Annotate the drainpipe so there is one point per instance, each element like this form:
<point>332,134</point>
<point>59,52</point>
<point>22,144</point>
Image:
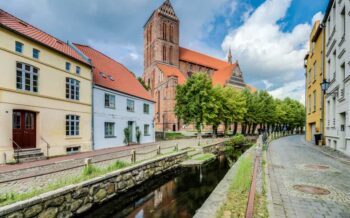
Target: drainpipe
<point>323,26</point>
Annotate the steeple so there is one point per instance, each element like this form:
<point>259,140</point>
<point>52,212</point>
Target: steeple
<point>230,56</point>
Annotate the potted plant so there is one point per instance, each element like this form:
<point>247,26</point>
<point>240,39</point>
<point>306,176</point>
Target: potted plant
<point>127,136</point>
<point>138,135</point>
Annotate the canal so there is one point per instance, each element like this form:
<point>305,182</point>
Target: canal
<point>176,194</point>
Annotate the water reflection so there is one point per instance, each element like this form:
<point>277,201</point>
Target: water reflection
<point>176,194</point>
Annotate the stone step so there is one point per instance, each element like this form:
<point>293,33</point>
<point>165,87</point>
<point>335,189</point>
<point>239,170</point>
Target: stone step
<point>31,159</point>
<point>28,155</point>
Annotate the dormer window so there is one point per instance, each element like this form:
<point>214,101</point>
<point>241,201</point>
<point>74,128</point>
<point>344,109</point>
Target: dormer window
<point>19,47</point>
<point>103,75</point>
<point>111,78</point>
<point>68,66</point>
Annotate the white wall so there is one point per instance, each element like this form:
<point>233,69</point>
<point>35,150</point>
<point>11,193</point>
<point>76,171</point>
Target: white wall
<point>120,116</point>
<point>335,137</point>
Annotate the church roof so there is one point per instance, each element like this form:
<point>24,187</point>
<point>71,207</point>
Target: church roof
<point>110,74</point>
<point>201,59</point>
<point>170,71</point>
<point>222,76</point>
<point>20,27</point>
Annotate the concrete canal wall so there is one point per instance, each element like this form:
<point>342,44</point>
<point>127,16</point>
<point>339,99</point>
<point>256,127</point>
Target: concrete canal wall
<point>79,198</point>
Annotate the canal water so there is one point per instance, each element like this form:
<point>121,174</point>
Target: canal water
<point>176,194</point>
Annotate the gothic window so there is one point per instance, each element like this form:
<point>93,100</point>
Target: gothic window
<point>171,54</point>
<point>164,53</point>
<point>164,31</point>
<point>171,33</point>
<point>150,33</point>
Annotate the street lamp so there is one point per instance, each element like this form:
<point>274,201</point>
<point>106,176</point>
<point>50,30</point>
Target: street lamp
<point>324,86</point>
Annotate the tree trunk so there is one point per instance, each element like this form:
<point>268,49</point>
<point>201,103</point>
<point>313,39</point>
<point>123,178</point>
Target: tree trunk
<point>235,126</point>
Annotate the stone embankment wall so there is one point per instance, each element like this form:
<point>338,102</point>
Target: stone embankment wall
<point>213,148</point>
<point>77,199</point>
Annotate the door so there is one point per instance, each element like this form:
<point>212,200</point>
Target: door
<point>313,132</point>
<point>24,129</point>
<point>130,127</point>
<point>342,133</point>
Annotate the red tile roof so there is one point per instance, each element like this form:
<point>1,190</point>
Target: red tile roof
<point>201,59</point>
<point>14,24</point>
<point>170,71</point>
<point>124,80</point>
<point>222,76</point>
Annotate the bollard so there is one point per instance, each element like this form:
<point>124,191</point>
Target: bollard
<point>133,156</point>
<point>87,162</point>
<point>158,150</point>
<point>176,147</point>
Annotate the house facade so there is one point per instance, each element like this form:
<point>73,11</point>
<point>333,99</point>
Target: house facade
<point>337,42</point>
<point>314,77</point>
<point>119,102</point>
<point>167,65</point>
<point>45,92</point>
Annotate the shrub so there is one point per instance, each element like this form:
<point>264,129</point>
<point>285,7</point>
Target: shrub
<point>89,170</point>
<point>236,140</point>
<point>118,165</point>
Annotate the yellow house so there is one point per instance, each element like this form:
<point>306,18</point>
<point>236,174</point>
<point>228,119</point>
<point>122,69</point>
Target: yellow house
<point>315,70</point>
<point>45,94</point>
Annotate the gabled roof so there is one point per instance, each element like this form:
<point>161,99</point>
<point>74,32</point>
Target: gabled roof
<point>110,74</point>
<point>170,71</point>
<point>167,9</point>
<point>20,27</point>
<point>201,59</point>
<point>222,76</point>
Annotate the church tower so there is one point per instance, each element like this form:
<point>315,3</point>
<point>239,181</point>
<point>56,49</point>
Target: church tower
<point>161,37</point>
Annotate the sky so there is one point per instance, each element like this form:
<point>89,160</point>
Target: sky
<point>268,38</point>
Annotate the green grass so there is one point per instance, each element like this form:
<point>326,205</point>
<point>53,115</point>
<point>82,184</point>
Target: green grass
<point>174,135</point>
<point>237,198</point>
<point>86,174</point>
<point>260,205</point>
<point>204,157</point>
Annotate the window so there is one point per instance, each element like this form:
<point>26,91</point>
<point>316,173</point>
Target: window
<point>19,47</point>
<point>130,105</point>
<point>343,22</point>
<point>309,100</point>
<point>16,120</point>
<point>146,130</point>
<point>109,101</point>
<point>72,125</point>
<point>164,31</point>
<point>315,71</point>
<point>29,121</point>
<point>171,33</point>
<point>36,53</point>
<point>109,130</point>
<point>309,77</point>
<point>73,150</point>
<point>146,108</point>
<point>171,55</point>
<point>77,70</point>
<point>314,94</point>
<point>26,77</point>
<point>67,66</point>
<point>72,89</point>
<point>164,53</point>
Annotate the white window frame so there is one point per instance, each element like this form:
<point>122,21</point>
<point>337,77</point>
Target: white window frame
<point>21,47</point>
<point>146,106</point>
<point>68,66</point>
<point>110,99</point>
<point>146,127</point>
<point>21,73</point>
<point>109,130</point>
<point>36,51</point>
<point>133,105</point>
<point>72,125</point>
<point>77,70</point>
<point>72,89</point>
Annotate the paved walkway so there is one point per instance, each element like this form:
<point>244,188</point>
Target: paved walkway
<point>294,167</point>
<point>25,177</point>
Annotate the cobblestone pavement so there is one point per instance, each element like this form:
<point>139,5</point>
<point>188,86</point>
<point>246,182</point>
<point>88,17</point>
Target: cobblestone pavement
<point>293,164</point>
<point>26,177</point>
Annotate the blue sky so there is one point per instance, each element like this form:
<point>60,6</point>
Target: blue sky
<point>267,37</point>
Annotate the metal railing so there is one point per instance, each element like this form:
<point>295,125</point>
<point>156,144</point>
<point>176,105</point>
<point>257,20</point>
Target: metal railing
<point>18,150</point>
<point>47,147</point>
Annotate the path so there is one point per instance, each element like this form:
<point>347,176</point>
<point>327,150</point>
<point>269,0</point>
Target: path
<point>294,167</point>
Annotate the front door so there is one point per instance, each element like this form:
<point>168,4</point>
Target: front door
<point>24,129</point>
<point>130,127</point>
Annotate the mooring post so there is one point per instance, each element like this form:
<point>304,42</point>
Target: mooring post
<point>87,162</point>
<point>176,147</point>
<point>133,156</point>
<point>158,150</point>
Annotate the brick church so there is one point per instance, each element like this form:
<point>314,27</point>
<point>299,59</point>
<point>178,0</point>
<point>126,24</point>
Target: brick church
<point>166,65</point>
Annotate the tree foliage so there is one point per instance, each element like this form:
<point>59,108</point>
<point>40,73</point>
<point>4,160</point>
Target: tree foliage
<point>198,103</point>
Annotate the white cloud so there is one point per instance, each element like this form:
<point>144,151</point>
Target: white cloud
<point>265,51</point>
<point>295,90</point>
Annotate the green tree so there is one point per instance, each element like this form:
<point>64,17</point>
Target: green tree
<point>143,83</point>
<point>195,101</point>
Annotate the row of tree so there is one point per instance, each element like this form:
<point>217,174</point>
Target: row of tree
<point>199,103</point>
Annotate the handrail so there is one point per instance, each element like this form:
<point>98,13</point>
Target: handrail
<point>47,146</point>
<point>19,148</point>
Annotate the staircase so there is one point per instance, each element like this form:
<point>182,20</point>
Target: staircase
<point>28,155</point>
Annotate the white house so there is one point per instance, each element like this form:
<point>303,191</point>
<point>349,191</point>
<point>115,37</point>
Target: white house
<point>337,58</point>
<point>119,102</point>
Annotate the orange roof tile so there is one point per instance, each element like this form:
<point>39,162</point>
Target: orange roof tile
<point>251,88</point>
<point>222,76</point>
<point>172,71</point>
<point>14,24</point>
<point>123,80</point>
<point>201,59</point>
